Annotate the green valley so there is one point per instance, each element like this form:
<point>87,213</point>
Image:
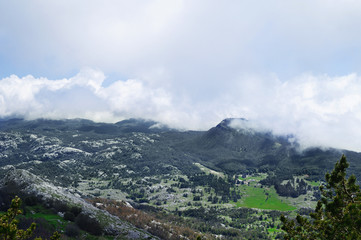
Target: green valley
<point>234,183</point>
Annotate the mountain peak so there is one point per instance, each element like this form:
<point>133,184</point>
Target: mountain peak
<point>231,123</point>
<point>141,125</point>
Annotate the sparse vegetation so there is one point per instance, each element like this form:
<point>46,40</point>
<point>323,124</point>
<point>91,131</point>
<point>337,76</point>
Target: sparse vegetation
<point>208,179</point>
<point>170,228</point>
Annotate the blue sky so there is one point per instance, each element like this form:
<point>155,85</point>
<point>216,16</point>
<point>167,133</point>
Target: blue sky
<point>289,66</point>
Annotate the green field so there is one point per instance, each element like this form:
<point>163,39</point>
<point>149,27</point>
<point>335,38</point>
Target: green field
<point>262,198</point>
<point>273,230</point>
<point>40,212</point>
<point>53,219</point>
<point>314,183</point>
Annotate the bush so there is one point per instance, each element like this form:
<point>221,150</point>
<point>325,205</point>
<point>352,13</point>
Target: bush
<point>72,230</point>
<point>69,216</point>
<point>86,223</point>
<point>43,228</point>
<point>196,198</point>
<point>30,201</point>
<point>60,206</point>
<point>75,210</point>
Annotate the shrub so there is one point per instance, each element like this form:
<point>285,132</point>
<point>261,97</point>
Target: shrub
<point>69,216</point>
<point>86,223</point>
<point>75,210</point>
<point>60,206</point>
<point>30,201</point>
<point>72,230</point>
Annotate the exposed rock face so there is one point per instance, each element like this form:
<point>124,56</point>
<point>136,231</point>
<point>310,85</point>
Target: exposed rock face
<point>22,181</point>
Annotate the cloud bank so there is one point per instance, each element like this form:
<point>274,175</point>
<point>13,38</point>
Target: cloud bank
<point>290,66</point>
<point>319,110</point>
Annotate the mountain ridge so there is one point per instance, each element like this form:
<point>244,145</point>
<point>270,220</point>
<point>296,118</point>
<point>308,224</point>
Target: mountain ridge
<point>181,172</point>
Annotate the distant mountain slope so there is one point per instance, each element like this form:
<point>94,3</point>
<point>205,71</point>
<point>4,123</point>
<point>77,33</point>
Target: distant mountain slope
<point>235,150</point>
<point>185,173</point>
<point>64,150</point>
<point>142,125</point>
<point>221,146</point>
<point>125,126</point>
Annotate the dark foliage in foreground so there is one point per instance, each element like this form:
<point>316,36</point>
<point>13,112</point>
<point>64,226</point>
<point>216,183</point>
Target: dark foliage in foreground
<point>338,213</point>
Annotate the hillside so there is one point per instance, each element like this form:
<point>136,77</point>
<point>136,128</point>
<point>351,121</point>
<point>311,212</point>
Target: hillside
<point>203,176</point>
<point>25,184</point>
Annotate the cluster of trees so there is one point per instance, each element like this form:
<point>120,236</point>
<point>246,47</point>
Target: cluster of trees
<point>290,190</point>
<point>244,223</point>
<point>75,215</point>
<point>220,186</point>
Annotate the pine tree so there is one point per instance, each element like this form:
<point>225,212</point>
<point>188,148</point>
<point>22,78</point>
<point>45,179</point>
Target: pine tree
<point>337,214</point>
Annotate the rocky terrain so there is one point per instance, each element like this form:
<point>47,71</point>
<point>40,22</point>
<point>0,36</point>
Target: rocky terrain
<point>25,183</point>
<point>201,176</point>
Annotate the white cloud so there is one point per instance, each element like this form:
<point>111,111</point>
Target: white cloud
<point>187,63</point>
<point>79,96</point>
<point>319,110</point>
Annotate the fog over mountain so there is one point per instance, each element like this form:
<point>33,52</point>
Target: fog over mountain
<point>292,68</point>
<point>319,111</point>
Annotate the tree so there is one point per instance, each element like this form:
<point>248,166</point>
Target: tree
<point>89,224</point>
<point>9,224</point>
<point>337,214</point>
